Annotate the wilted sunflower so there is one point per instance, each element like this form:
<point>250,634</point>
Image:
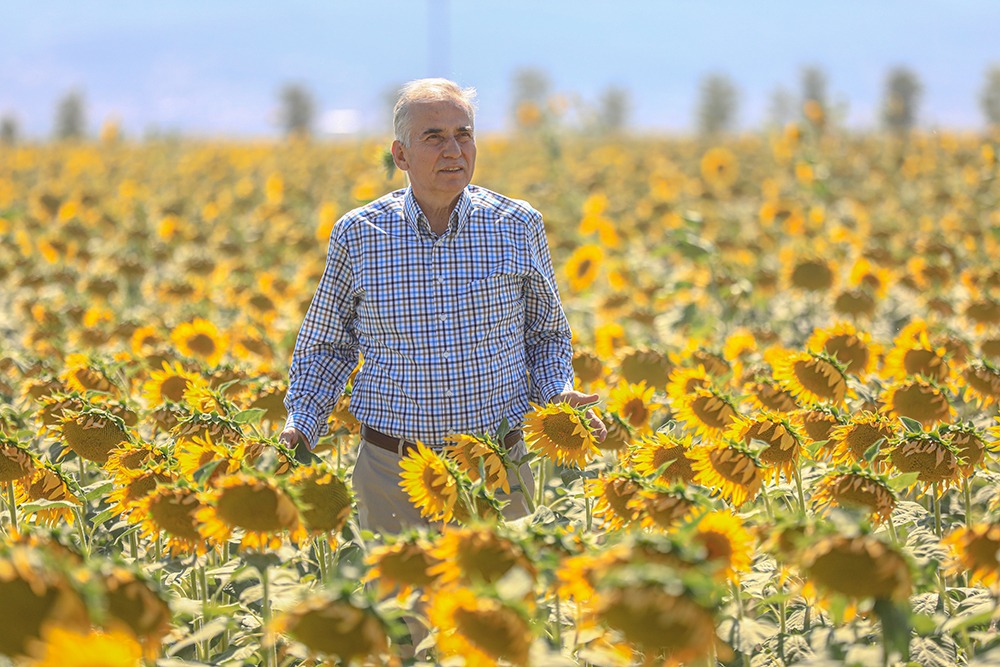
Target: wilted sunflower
<point>936,461</point>
<point>48,482</point>
<point>633,403</point>
<point>16,460</point>
<point>476,555</point>
<point>918,399</point>
<point>64,647</point>
<point>469,451</point>
<point>338,626</point>
<point>849,442</point>
<point>852,348</point>
<point>981,380</point>
<point>484,630</point>
<point>856,488</point>
<point>664,450</point>
<point>612,494</point>
<point>783,440</point>
<point>729,547</point>
<point>169,384</point>
<point>730,469</point>
<point>256,505</point>
<point>323,498</point>
<point>859,567</point>
<point>812,378</point>
<point>974,550</point>
<point>706,411</point>
<point>171,511</point>
<point>583,266</point>
<point>660,621</point>
<point>200,339</point>
<point>430,481</point>
<point>93,433</point>
<point>402,566</point>
<point>559,431</point>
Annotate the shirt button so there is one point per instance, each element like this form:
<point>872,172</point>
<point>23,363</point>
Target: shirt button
<point>449,393</point>
<point>443,318</point>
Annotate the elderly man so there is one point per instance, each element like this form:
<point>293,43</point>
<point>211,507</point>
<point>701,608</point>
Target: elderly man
<point>447,291</point>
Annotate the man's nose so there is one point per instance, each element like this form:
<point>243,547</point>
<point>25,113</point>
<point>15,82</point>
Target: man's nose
<point>451,147</point>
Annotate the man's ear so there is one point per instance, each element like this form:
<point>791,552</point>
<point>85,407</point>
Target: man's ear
<point>399,155</point>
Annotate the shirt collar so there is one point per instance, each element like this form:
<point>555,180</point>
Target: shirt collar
<point>418,221</point>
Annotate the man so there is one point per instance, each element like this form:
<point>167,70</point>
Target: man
<point>447,291</point>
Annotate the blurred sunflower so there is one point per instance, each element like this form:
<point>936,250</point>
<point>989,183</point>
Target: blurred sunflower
<point>144,340</point>
<point>670,453</point>
<point>583,266</point>
<point>974,551</point>
<point>981,382</point>
<point>338,626</point>
<point>484,630</point>
<point>660,507</point>
<point>612,494</point>
<point>587,367</point>
<point>859,567</point>
<point>82,373</point>
<point>169,384</point>
<point>852,348</point>
<point>812,274</point>
<point>134,607</point>
<point>323,498</point>
<point>93,648</point>
<point>919,399</point>
<point>559,431</point>
<point>729,469</point>
<point>729,547</point>
<point>200,339</point>
<point>608,338</point>
<point>431,482</point>
<point>256,505</point>
<point>921,358</point>
<point>171,511</point>
<point>812,378</point>
<point>706,411</point>
<point>645,365</point>
<point>466,556</point>
<point>856,488</point>
<point>633,403</point>
<point>719,168</point>
<point>133,455</point>
<point>402,566</point>
<point>469,451</point>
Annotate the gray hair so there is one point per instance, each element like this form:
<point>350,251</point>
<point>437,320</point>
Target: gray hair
<point>428,90</point>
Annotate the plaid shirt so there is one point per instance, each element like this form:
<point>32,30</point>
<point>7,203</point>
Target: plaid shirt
<point>457,331</point>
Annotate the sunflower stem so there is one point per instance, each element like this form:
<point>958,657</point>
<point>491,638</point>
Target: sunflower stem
<point>590,510</point>
<point>340,465</point>
<point>936,502</point>
<point>767,504</point>
<point>321,557</point>
<point>967,497</point>
<point>527,496</point>
<point>84,546</point>
<point>133,545</point>
<point>203,588</point>
<point>798,488</point>
<point>270,652</point>
<point>12,506</point>
<point>540,482</point>
<point>892,531</point>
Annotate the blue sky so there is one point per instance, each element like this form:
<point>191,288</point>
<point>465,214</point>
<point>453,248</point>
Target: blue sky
<point>215,66</point>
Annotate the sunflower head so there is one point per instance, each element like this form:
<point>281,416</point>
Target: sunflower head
<point>851,443</point>
<point>919,399</point>
<point>858,567</point>
<point>587,367</point>
<point>730,469</point>
<point>402,566</point>
<point>469,452</point>
<point>933,459</point>
<point>780,441</point>
<point>476,554</point>
<point>254,504</point>
<point>16,460</point>
<point>813,377</point>
<point>200,339</point>
<point>431,481</point>
<point>856,488</point>
<point>93,433</point>
<point>633,403</point>
<point>169,384</point>
<point>480,627</point>
<point>666,456</point>
<point>850,347</point>
<point>728,546</point>
<point>981,380</point>
<point>613,495</point>
<point>337,625</point>
<point>645,365</point>
<point>171,511</point>
<point>133,605</point>
<point>706,411</point>
<point>974,551</point>
<point>560,432</point>
<point>323,498</point>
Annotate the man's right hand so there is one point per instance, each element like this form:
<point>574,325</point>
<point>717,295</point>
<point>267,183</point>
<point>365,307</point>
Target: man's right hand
<point>294,439</point>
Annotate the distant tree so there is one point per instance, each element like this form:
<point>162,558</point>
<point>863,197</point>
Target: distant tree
<point>717,104</point>
<point>70,116</point>
<point>814,95</point>
<point>902,93</point>
<point>530,90</point>
<point>613,108</point>
<point>989,99</point>
<point>298,110</point>
<point>8,130</point>
<point>781,111</point>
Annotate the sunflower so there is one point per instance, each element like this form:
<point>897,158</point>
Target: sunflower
<point>714,363</point>
<point>765,394</point>
<point>92,648</point>
<point>706,411</point>
<point>323,498</point>
<point>936,461</point>
<point>431,482</point>
<point>144,340</point>
<point>166,416</point>
<point>587,367</point>
<point>974,552</point>
<point>195,452</point>
<point>645,365</point>
<point>856,488</point>
<point>818,422</point>
<point>468,452</point>
<point>812,274</point>
<point>719,168</point>
<point>739,344</point>
<point>252,449</point>
<point>256,505</point>
<point>484,630</point>
<point>271,398</point>
<point>132,456</point>
<point>969,444</point>
<point>849,442</point>
<point>852,348</point>
<point>812,378</point>
<point>401,567</point>
<point>171,511</point>
<point>583,266</point>
<point>83,374</point>
<point>48,482</point>
<point>93,433</point>
<point>661,508</point>
<point>200,339</point>
<point>783,442</point>
<point>918,399</point>
<point>612,494</point>
<point>855,302</point>
<point>16,460</point>
<point>917,358</point>
<point>560,432</point>
<point>476,555</point>
<point>169,384</point>
<point>608,338</point>
<point>729,547</point>
<point>859,567</point>
<point>131,486</point>
<point>981,380</point>
<point>337,626</point>
<point>632,403</point>
<point>620,435</point>
<point>204,426</point>
<point>133,606</point>
<point>683,381</point>
<point>670,453</point>
<point>577,574</point>
<point>730,469</point>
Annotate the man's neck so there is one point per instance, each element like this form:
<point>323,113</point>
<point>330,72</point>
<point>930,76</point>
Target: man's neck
<point>437,212</point>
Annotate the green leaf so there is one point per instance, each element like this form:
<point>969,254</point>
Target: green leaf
<point>895,625</point>
<point>210,631</point>
<point>503,430</point>
<point>900,482</point>
<point>250,415</point>
<point>98,489</point>
<point>744,634</point>
<point>912,425</point>
<point>202,474</point>
<point>39,505</point>
<point>872,451</point>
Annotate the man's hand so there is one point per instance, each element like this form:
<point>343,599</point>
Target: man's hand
<point>576,399</point>
<point>294,439</point>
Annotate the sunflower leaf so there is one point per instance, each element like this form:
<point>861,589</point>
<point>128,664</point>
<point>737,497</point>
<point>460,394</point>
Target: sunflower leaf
<point>873,451</point>
<point>744,634</point>
<point>249,416</point>
<point>906,480</point>
<point>41,505</point>
<point>205,471</point>
<point>912,425</point>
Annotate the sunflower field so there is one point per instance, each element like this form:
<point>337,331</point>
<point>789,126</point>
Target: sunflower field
<point>796,340</point>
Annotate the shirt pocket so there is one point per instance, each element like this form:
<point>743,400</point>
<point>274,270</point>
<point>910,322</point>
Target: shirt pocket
<point>494,305</point>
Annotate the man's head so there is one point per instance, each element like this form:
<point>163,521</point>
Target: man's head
<point>435,141</point>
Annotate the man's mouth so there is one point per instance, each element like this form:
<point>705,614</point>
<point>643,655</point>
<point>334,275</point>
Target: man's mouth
<point>453,170</point>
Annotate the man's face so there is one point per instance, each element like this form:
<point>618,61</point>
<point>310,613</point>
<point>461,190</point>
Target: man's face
<point>442,152</point>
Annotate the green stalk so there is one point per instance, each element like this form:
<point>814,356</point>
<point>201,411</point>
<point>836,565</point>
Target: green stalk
<point>203,587</point>
<point>767,504</point>
<point>527,496</point>
<point>199,622</point>
<point>12,505</point>
<point>798,489</point>
<point>936,501</point>
<point>133,545</point>
<point>967,497</point>
<point>540,482</point>
<point>270,653</point>
<point>84,545</point>
<point>590,511</point>
<point>321,557</point>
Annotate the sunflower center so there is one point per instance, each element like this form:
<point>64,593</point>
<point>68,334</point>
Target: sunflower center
<point>925,362</point>
<point>921,402</point>
<point>202,344</point>
<point>583,267</point>
<point>408,566</point>
<point>483,558</point>
<point>712,411</point>
<point>861,437</point>
<point>933,461</point>
<point>561,429</point>
<point>848,350</point>
<point>821,378</point>
<point>495,631</point>
<point>175,515</point>
<point>812,275</point>
<point>173,387</point>
<point>261,509</point>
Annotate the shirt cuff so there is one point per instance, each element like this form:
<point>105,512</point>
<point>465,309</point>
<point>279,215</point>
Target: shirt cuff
<point>552,389</point>
<point>306,424</point>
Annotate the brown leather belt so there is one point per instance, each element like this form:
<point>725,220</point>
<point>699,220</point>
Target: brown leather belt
<point>403,447</point>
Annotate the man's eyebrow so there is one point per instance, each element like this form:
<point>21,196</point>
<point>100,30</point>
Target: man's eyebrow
<point>438,130</point>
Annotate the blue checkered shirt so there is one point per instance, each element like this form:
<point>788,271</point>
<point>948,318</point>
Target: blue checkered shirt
<point>457,331</point>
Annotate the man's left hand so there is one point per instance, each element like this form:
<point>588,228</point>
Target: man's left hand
<point>576,399</point>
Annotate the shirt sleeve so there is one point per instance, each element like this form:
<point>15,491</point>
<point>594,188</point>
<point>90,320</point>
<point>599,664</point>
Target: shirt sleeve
<point>547,337</point>
<point>326,349</point>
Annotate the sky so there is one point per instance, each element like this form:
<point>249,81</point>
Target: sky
<point>216,67</point>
